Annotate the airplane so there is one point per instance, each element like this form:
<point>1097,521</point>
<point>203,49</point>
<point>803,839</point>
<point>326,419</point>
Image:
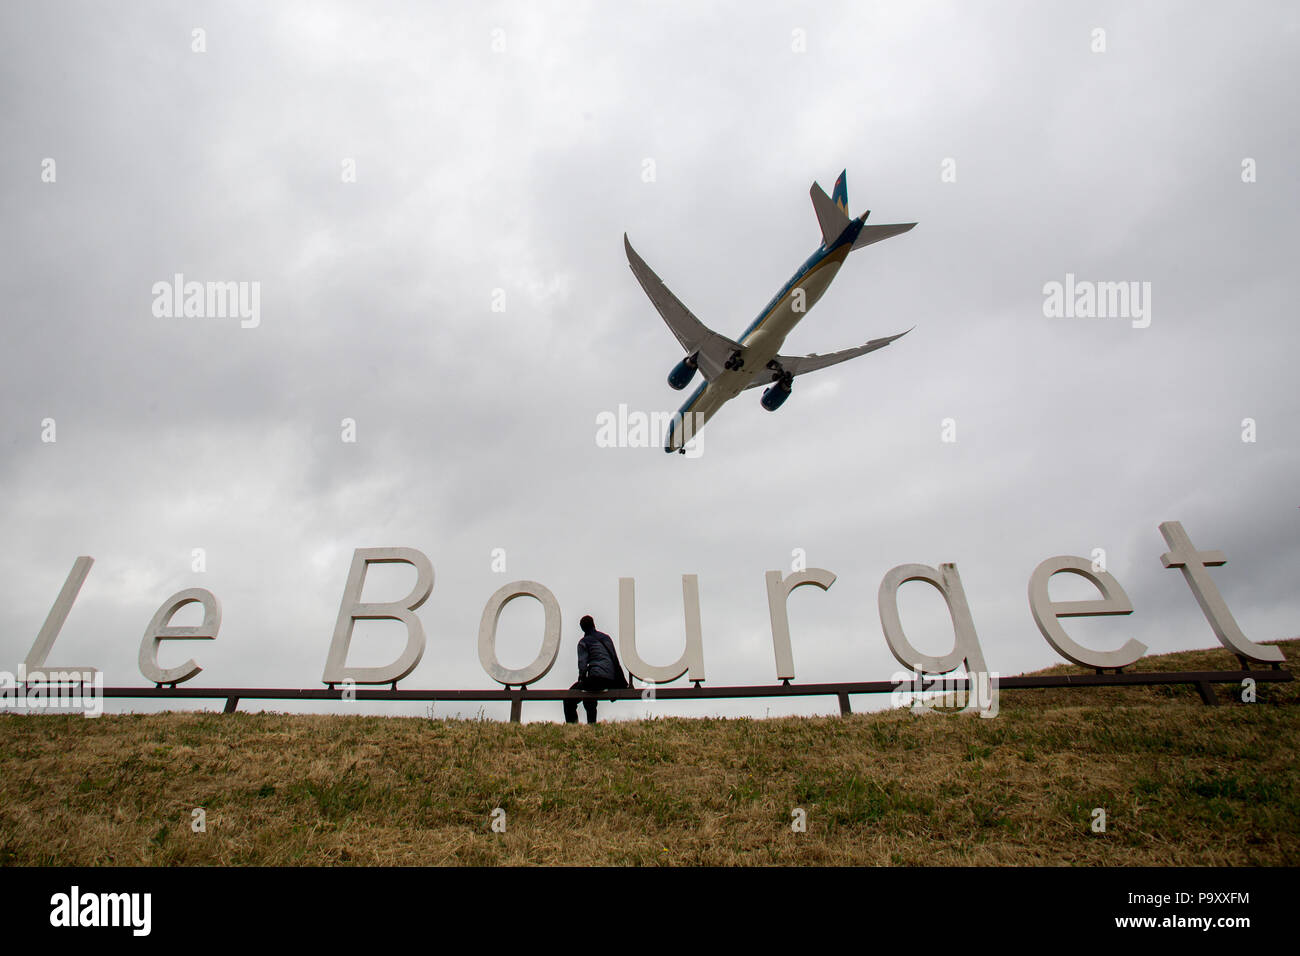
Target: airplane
<point>730,366</point>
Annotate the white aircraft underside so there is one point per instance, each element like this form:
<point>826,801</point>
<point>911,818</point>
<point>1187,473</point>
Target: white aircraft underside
<point>731,366</point>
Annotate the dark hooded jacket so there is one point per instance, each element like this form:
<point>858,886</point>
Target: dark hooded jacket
<point>598,659</point>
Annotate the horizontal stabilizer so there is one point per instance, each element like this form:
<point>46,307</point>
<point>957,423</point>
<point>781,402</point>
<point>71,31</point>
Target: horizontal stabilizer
<point>832,219</point>
<point>870,234</point>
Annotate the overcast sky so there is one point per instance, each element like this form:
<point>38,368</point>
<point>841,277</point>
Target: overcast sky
<point>508,147</point>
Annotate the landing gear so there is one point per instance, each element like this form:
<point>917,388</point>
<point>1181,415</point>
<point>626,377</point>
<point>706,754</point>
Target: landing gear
<point>734,363</point>
<point>780,375</point>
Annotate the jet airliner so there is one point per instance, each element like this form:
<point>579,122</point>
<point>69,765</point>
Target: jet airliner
<point>730,366</point>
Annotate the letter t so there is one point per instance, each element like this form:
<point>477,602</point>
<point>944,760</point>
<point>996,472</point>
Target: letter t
<point>1193,564</point>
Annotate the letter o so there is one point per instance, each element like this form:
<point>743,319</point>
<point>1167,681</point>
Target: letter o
<point>487,634</point>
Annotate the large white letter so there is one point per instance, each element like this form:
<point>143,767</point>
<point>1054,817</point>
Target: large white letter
<point>54,622</point>
<point>352,610</point>
<point>966,646</point>
<point>778,593</point>
<point>1046,611</point>
<point>487,634</point>
<point>692,657</point>
<point>1193,564</point>
<point>159,630</point>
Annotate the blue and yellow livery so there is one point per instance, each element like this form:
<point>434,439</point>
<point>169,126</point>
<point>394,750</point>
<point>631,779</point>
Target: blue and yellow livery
<point>729,366</point>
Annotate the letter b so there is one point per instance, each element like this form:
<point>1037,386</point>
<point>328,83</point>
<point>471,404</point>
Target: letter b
<point>352,610</point>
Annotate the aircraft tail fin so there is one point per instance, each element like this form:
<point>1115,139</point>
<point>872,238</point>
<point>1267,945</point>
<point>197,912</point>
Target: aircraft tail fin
<point>832,218</point>
<point>840,194</point>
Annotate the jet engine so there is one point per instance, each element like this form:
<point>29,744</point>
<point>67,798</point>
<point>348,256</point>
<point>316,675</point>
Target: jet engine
<point>774,395</point>
<point>683,372</point>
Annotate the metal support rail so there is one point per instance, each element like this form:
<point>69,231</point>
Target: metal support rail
<point>1203,681</point>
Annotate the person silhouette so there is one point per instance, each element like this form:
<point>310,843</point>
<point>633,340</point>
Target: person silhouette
<point>598,669</point>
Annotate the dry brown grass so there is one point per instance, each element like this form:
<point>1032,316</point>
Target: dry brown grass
<point>1181,783</point>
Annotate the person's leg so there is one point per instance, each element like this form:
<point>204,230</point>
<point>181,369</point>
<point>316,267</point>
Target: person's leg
<point>595,684</point>
<point>571,706</point>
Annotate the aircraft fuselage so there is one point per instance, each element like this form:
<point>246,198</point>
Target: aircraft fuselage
<point>765,336</point>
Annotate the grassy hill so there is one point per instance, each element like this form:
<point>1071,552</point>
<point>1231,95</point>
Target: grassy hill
<point>1180,783</point>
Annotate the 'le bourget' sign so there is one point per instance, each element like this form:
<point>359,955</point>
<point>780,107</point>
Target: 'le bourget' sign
<point>966,648</point>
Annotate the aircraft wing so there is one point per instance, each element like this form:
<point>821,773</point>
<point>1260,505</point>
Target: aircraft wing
<point>695,337</point>
<point>803,364</point>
